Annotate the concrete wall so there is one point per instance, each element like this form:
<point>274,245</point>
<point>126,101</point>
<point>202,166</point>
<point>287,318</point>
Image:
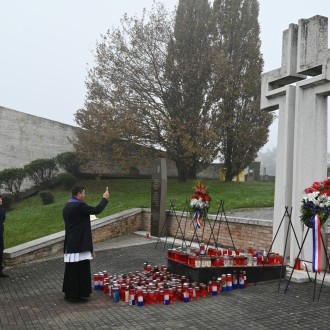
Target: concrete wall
<point>119,224</point>
<point>25,138</point>
<point>245,232</point>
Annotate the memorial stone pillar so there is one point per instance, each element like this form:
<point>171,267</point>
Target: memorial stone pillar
<point>158,197</point>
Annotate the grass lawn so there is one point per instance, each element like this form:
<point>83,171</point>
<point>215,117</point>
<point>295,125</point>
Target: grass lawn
<point>30,219</point>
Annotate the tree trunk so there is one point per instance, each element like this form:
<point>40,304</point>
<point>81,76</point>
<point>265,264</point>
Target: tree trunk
<point>229,171</point>
<point>182,174</point>
<point>185,171</point>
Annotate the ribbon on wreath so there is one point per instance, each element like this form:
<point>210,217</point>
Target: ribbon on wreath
<point>317,241</point>
<point>198,214</point>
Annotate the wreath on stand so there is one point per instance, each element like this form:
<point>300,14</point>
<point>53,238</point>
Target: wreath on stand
<point>316,201</point>
<point>199,204</point>
<point>315,211</point>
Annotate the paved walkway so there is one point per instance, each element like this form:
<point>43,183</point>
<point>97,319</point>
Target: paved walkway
<point>32,299</point>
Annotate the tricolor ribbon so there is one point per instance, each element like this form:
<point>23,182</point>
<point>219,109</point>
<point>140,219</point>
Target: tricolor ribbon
<point>317,241</point>
<point>198,216</point>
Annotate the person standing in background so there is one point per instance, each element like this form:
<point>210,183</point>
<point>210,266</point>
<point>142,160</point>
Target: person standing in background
<point>78,244</point>
<point>2,246</point>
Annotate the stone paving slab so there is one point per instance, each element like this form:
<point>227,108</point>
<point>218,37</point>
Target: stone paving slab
<point>32,299</point>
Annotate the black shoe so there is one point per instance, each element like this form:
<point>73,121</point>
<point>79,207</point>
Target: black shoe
<point>76,299</point>
<point>84,298</point>
<point>2,275</point>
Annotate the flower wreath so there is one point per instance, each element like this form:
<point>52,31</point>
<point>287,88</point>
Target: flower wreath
<point>316,201</point>
<point>199,203</point>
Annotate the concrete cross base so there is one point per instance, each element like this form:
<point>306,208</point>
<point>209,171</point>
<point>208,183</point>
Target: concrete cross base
<point>301,276</point>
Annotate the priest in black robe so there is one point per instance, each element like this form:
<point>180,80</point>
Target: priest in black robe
<point>78,244</point>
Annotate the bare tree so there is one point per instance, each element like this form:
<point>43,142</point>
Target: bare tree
<point>163,82</point>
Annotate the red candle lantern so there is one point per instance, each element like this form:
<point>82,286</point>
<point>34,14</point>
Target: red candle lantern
<point>198,262</point>
<point>235,279</point>
<point>242,261</point>
<point>229,282</point>
<point>96,281</point>
<point>139,295</point>
<point>197,292</point>
<point>179,295</point>
<point>166,296</point>
<point>172,254</point>
<point>157,296</point>
<point>185,291</point>
<point>122,291</point>
<point>145,296</point>
<point>202,249</point>
<point>203,290</point>
<point>219,284</point>
<point>223,282</point>
<point>151,297</point>
<point>161,296</point>
<point>280,260</point>
<point>191,294</point>
<point>106,286</point>
<point>184,257</point>
<point>100,280</point>
<point>214,288</point>
<point>172,295</point>
<point>192,259</point>
<point>131,295</point>
<point>259,260</point>
<point>241,280</point>
<point>126,293</point>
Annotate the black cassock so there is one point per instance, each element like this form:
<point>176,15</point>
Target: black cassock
<point>78,238</point>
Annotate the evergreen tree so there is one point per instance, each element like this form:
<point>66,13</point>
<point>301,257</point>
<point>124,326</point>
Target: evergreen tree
<point>244,127</point>
<point>192,133</point>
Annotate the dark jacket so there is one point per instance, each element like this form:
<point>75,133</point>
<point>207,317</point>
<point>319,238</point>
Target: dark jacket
<point>78,233</point>
<point>2,219</point>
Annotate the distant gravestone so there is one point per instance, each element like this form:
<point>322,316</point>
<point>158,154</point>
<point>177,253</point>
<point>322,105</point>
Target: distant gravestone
<point>158,197</point>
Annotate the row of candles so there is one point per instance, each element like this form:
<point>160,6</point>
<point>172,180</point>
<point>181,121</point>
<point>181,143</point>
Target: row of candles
<point>157,286</point>
<point>214,257</point>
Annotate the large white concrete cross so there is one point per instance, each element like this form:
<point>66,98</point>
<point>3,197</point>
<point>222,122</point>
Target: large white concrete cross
<point>299,90</point>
